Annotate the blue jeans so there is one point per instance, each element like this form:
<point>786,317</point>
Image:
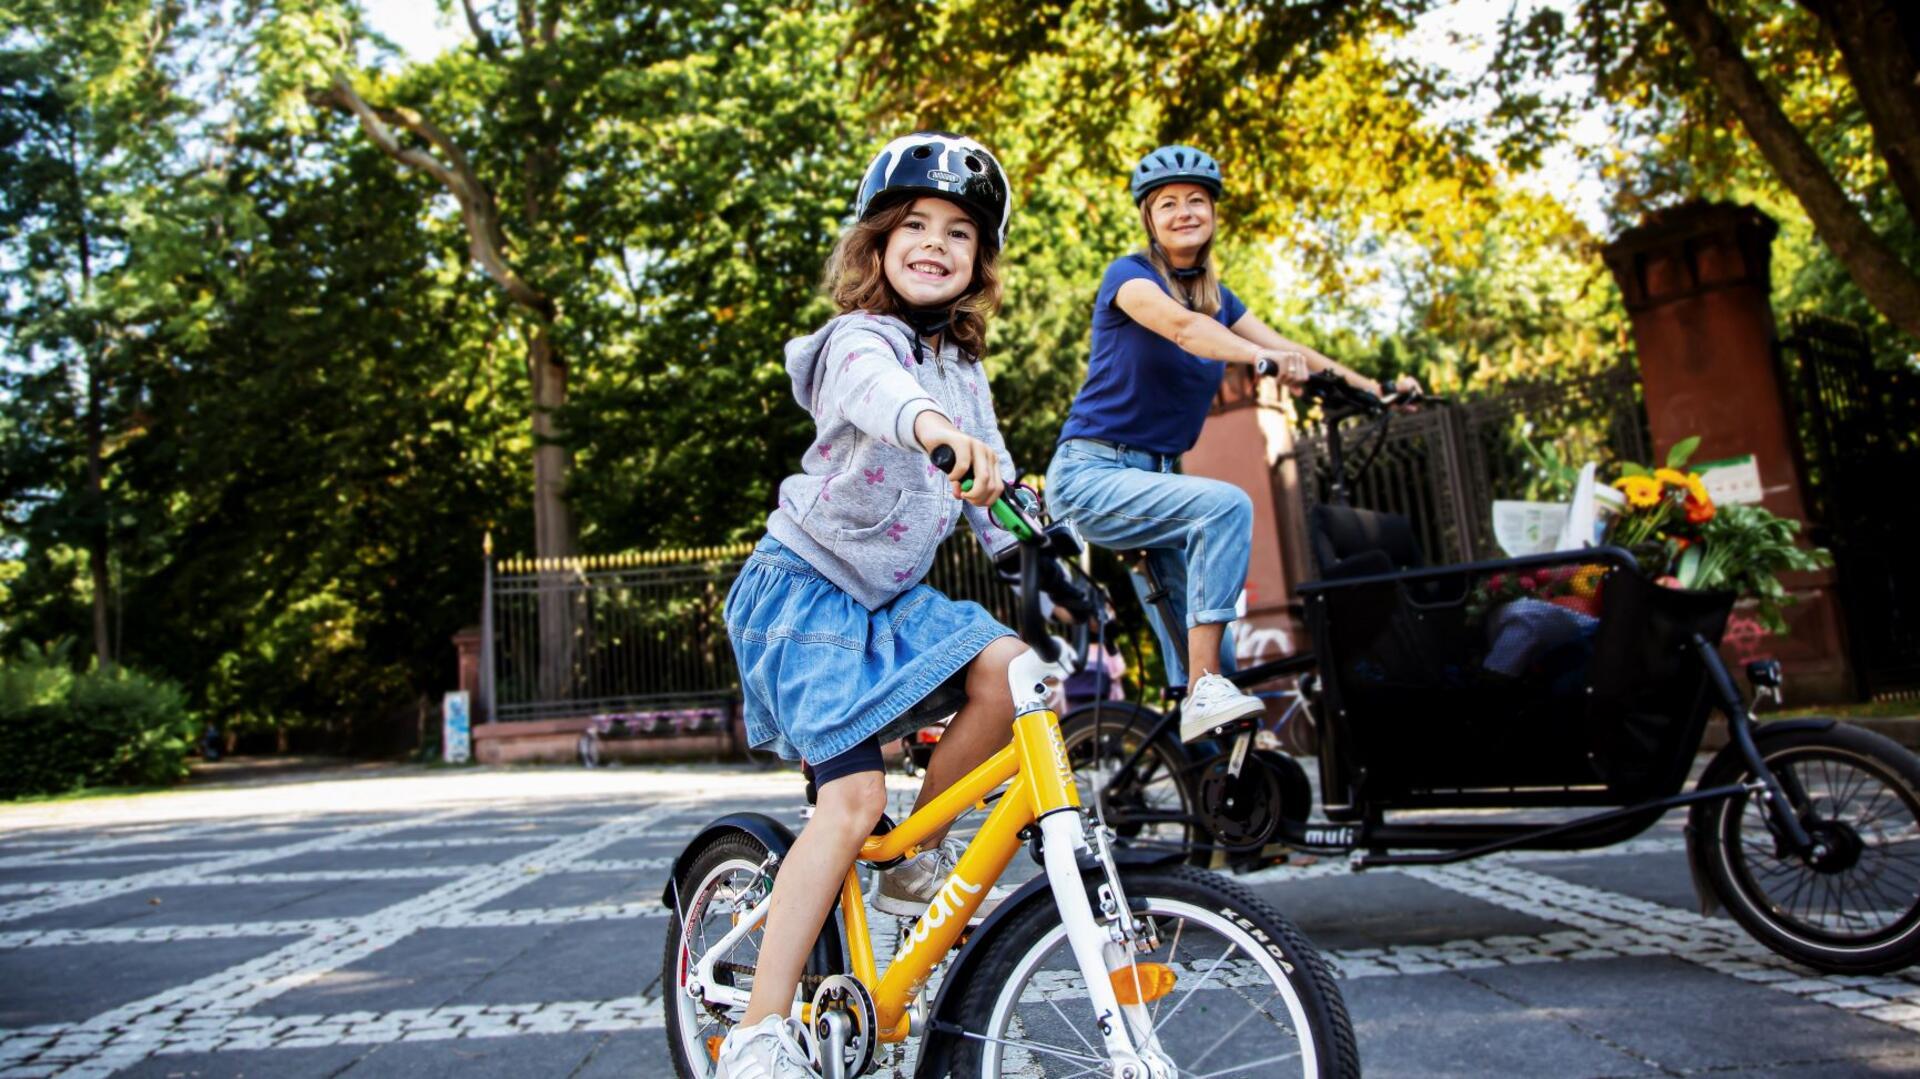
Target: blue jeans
<point>1198,533</point>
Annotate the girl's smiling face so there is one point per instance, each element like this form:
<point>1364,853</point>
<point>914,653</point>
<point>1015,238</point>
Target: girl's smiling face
<point>930,253</point>
<point>1182,216</point>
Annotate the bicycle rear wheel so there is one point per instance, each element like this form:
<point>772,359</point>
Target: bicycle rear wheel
<point>724,882</point>
<point>1249,996</point>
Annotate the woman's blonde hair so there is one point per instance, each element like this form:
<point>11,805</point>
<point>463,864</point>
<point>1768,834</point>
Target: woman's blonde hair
<point>1200,293</point>
<point>857,280</point>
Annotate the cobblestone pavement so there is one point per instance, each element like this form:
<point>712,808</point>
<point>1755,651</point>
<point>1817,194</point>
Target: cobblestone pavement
<point>508,923</point>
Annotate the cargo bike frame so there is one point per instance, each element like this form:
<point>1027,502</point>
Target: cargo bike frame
<point>1601,711</point>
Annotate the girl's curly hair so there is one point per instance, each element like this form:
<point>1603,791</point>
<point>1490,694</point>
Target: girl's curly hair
<point>857,281</point>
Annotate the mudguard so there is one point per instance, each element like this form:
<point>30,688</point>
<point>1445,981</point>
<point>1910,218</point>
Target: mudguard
<point>1726,764</point>
<point>829,951</point>
<point>936,1049</point>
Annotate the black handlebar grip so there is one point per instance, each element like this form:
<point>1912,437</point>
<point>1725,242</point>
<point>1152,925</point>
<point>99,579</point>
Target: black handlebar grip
<point>1265,368</point>
<point>942,457</point>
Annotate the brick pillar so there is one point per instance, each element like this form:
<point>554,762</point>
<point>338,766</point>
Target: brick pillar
<point>1696,283</point>
<point>467,644</point>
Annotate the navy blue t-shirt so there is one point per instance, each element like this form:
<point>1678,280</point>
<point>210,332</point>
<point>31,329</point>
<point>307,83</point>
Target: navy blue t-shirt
<point>1143,390</point>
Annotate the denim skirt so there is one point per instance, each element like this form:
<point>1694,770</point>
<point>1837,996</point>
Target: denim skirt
<point>820,673</point>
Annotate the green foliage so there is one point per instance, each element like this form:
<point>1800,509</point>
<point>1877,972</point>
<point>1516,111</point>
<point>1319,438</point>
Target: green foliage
<point>60,731</point>
<point>1682,451</point>
<point>1747,548</point>
<point>258,404</point>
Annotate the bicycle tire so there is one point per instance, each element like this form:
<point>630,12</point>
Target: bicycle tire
<point>1276,953</point>
<point>728,853</point>
<point>1730,840</point>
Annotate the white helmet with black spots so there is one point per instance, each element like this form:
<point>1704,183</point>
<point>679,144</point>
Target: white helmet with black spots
<point>938,163</point>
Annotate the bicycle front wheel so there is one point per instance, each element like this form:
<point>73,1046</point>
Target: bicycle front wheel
<point>1249,996</point>
<point>1854,910</point>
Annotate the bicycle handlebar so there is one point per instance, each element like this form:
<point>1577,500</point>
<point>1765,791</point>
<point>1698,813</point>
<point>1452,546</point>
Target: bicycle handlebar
<point>1340,395</point>
<point>1033,626</point>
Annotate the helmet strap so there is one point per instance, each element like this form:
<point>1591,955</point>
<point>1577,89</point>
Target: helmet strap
<point>926,322</point>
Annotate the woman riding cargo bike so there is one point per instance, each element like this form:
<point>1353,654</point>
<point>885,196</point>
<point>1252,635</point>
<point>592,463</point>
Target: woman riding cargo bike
<point>1094,967</point>
<point>1568,690</point>
<point>1165,327</point>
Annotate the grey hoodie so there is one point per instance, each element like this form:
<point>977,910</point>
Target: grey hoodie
<point>867,508</point>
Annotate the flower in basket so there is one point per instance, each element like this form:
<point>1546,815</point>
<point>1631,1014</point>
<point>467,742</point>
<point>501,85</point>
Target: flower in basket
<point>1685,541</point>
<point>1665,508</point>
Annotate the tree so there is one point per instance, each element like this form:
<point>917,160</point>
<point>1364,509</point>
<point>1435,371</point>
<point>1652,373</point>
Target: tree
<point>89,120</point>
<point>1831,105</point>
<point>1877,43</point>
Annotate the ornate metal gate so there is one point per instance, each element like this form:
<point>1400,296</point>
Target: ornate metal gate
<point>1443,467</point>
<point>1860,441</point>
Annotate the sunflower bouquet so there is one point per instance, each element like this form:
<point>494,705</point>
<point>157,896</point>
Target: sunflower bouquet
<point>1666,511</point>
<point>1685,541</point>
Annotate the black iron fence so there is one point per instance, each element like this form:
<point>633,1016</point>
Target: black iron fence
<point>641,631</point>
<point>1443,467</point>
<point>1860,447</point>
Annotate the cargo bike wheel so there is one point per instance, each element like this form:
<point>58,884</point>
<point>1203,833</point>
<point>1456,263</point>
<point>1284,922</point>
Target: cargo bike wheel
<point>1854,906</point>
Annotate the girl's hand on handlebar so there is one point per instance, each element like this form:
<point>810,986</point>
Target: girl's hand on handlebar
<point>1290,367</point>
<point>970,456</point>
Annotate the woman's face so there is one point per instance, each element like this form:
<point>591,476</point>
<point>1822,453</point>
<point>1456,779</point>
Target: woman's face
<point>1182,216</point>
<point>929,257</point>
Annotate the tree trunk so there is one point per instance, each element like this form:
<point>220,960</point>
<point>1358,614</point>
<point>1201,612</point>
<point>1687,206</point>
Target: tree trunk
<point>1892,288</point>
<point>552,521</point>
<point>447,163</point>
<point>99,546</point>
<point>1881,66</point>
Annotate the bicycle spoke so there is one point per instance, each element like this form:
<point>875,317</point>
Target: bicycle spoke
<point>1203,981</point>
<point>1173,958</point>
<point>1033,1047</point>
<point>1277,1058</point>
<point>1259,1009</point>
<point>1070,1025</point>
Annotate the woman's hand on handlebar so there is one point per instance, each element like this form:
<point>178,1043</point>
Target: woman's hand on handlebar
<point>970,456</point>
<point>1287,365</point>
<point>1403,393</point>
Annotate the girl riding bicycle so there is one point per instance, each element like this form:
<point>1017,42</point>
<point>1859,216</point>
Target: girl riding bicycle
<point>840,647</point>
<point>1164,328</point>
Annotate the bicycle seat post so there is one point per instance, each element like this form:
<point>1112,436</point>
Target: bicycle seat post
<point>1161,601</point>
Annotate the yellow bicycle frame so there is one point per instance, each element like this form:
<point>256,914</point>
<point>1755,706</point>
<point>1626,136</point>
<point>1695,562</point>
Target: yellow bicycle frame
<point>1043,782</point>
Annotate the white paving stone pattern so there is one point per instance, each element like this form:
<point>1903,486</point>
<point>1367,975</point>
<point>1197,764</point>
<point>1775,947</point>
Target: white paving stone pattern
<point>455,861</point>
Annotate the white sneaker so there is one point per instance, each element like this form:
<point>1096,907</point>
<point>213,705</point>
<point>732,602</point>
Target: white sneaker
<point>910,887</point>
<point>1214,705</point>
<point>773,1048</point>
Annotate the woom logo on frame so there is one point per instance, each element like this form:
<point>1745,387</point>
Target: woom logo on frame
<point>943,907</point>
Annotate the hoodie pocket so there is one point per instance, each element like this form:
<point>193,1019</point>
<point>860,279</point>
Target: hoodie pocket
<point>897,550</point>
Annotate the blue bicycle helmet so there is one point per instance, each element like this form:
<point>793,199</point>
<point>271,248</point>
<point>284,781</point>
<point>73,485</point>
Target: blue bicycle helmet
<point>1175,164</point>
<point>953,167</point>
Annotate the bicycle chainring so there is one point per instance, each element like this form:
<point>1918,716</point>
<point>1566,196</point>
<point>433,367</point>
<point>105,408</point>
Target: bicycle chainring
<point>843,993</point>
<point>1245,810</point>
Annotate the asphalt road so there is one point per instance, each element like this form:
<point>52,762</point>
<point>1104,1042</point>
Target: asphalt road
<point>507,922</point>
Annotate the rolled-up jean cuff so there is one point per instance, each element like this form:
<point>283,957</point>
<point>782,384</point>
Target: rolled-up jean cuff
<point>1213,617</point>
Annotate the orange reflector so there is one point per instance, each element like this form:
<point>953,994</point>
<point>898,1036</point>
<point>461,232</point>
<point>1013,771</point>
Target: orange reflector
<point>713,1046</point>
<point>1142,983</point>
